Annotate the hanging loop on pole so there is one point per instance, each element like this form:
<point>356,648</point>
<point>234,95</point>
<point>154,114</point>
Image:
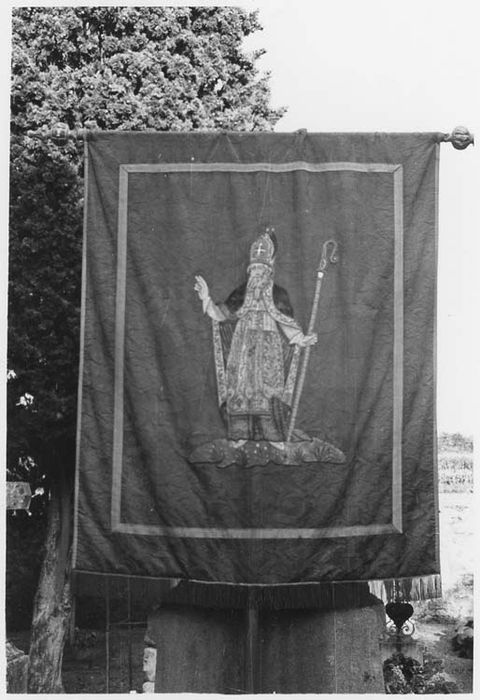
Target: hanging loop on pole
<point>328,258</point>
<point>460,138</point>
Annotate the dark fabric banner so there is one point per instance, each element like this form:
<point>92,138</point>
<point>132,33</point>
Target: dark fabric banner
<point>257,376</point>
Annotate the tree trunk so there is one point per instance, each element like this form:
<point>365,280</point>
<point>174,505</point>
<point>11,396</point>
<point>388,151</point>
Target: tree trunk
<point>51,610</point>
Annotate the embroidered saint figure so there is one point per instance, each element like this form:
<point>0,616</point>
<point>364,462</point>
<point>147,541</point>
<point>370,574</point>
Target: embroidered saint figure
<point>256,347</point>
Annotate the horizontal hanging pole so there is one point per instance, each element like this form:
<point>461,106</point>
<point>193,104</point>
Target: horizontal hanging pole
<point>460,137</point>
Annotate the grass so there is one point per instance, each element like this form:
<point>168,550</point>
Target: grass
<point>455,472</point>
<point>455,463</point>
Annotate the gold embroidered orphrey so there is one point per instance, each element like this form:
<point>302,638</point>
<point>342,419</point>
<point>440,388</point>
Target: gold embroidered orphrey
<point>257,345</point>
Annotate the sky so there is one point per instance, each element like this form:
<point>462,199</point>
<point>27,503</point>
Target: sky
<point>397,66</point>
<point>375,65</point>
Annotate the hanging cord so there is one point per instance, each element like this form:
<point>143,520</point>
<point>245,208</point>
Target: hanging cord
<point>264,202</point>
<point>107,634</point>
<point>251,650</point>
<point>334,607</point>
<point>130,644</point>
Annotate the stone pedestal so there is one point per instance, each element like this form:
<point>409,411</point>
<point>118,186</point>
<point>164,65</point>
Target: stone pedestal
<point>206,650</point>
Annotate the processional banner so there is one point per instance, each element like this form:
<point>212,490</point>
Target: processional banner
<point>257,375</point>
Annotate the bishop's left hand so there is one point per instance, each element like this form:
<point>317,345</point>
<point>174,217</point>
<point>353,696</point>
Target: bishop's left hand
<point>308,340</point>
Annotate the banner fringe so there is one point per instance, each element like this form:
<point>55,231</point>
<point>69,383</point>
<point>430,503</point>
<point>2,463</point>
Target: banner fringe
<point>333,595</point>
<point>407,589</point>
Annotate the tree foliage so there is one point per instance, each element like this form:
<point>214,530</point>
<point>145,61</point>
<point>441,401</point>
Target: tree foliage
<point>137,68</point>
<point>108,68</point>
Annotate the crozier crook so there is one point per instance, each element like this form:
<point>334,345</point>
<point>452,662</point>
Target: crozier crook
<point>325,258</point>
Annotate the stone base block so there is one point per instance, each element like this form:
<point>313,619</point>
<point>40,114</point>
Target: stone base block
<point>205,650</point>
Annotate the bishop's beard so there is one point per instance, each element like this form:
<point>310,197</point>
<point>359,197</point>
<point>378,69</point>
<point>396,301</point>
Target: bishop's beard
<point>256,285</point>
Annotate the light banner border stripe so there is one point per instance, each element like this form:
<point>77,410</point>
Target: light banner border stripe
<point>395,527</point>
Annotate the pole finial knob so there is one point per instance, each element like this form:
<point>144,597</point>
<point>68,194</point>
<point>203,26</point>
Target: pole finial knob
<point>461,137</point>
<point>60,133</point>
